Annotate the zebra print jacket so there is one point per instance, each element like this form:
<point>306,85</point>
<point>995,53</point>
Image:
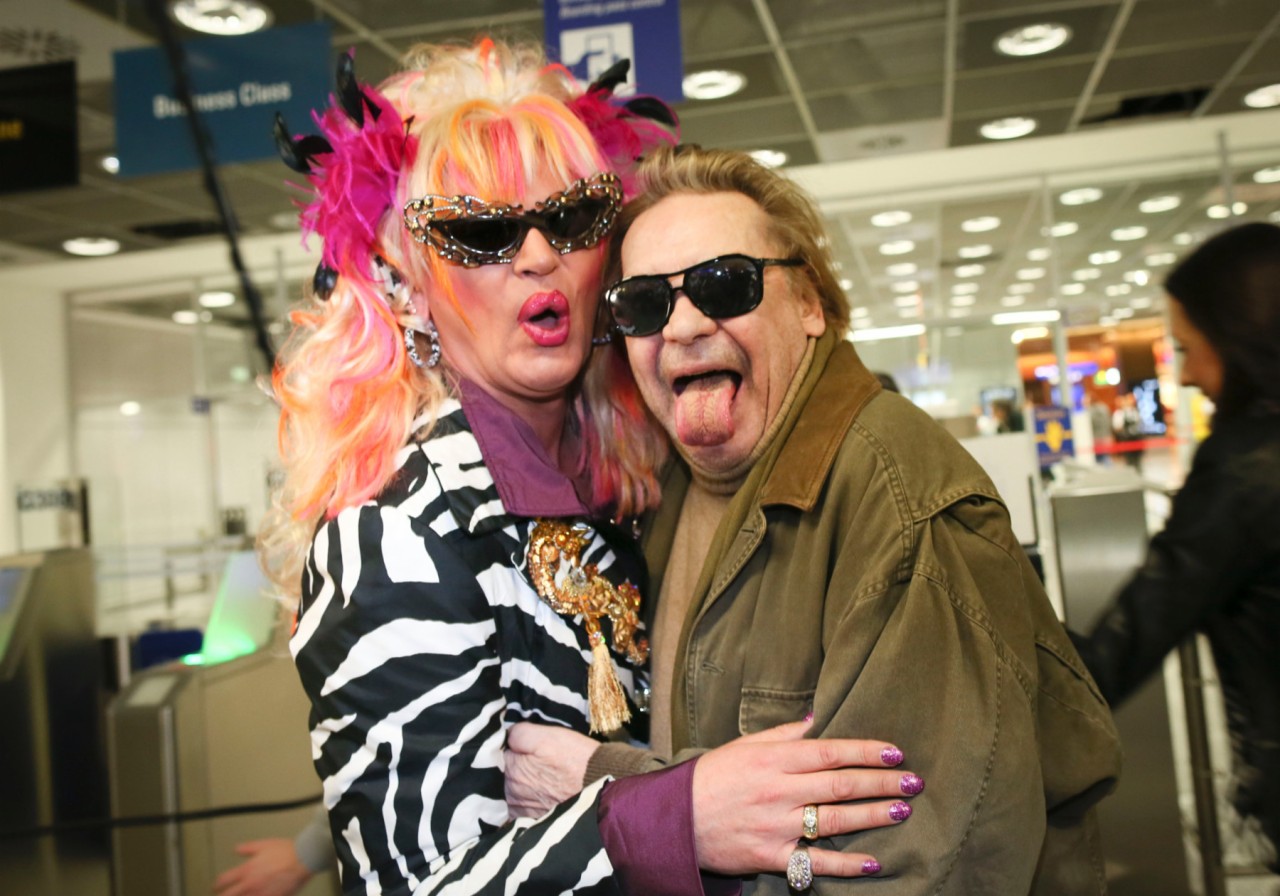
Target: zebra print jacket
<point>419,642</point>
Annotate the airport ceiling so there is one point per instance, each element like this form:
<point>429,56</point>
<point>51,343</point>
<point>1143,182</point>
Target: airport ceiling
<point>827,81</point>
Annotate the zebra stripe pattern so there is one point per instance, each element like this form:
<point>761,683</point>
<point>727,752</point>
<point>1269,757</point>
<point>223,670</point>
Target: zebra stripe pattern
<point>419,642</point>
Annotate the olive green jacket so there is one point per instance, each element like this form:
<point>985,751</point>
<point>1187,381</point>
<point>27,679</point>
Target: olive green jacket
<point>867,570</point>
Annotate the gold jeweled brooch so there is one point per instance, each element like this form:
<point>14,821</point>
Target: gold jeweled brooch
<point>582,590</point>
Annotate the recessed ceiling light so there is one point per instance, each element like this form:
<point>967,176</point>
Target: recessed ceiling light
<point>238,373</point>
<point>1140,302</point>
<point>1033,40</point>
<point>1030,273</point>
<point>1132,232</point>
<point>1122,313</point>
<point>891,218</point>
<point>1274,217</point>
<point>963,301</point>
<point>1072,289</point>
<point>1040,253</point>
<point>1184,238</point>
<point>858,312</point>
<point>110,164</point>
<point>901,269</point>
<point>1086,274</point>
<point>222,17</point>
<point>846,284</point>
<point>981,224</point>
<point>130,408</point>
<point>91,246</point>
<point>1062,228</point>
<point>1140,276</point>
<point>964,289</point>
<point>1264,97</point>
<point>971,270</point>
<point>862,322</point>
<point>1119,289</point>
<point>906,301</point>
<point>1106,256</point>
<point>908,311</point>
<point>1080,196</point>
<point>897,247</point>
<point>1021,336</point>
<point>1156,204</point>
<point>1156,259</point>
<point>982,250</point>
<point>1021,289</point>
<point>186,316</point>
<point>713,84</point>
<point>1108,321</point>
<point>217,298</point>
<point>1267,175</point>
<point>1221,211</point>
<point>1008,128</point>
<point>770,158</point>
<point>1013,301</point>
<point>906,286</point>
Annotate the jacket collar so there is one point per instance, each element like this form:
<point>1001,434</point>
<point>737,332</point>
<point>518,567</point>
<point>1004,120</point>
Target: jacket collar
<point>799,462</point>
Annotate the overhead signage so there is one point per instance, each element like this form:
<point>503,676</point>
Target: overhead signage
<point>38,143</point>
<point>53,515</point>
<point>237,84</point>
<point>589,36</point>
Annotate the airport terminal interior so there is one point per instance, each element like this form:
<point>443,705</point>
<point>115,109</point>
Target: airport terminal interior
<point>1005,183</point>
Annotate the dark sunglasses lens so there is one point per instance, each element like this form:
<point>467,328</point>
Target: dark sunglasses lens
<point>574,220</point>
<point>489,235</point>
<point>725,287</point>
<point>640,306</point>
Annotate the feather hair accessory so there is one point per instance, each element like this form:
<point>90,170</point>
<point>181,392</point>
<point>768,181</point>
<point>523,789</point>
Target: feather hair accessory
<point>624,130</point>
<point>353,166</point>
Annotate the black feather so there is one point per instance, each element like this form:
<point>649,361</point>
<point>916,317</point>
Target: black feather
<point>648,107</point>
<point>613,76</point>
<point>323,282</point>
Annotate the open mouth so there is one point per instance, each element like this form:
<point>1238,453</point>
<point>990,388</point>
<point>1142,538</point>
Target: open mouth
<point>545,317</point>
<point>708,379</point>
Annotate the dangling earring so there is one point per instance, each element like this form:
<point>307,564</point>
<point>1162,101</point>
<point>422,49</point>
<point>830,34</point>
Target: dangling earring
<point>603,340</point>
<point>411,345</point>
<point>433,337</point>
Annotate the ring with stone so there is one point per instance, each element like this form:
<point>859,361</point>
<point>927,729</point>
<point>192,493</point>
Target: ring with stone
<point>800,868</point>
<point>809,822</point>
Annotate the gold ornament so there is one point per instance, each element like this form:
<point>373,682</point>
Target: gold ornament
<point>582,590</point>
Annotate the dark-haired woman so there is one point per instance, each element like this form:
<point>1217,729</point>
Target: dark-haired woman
<point>1215,568</point>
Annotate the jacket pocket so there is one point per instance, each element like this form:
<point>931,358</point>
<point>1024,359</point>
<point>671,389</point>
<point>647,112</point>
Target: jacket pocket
<point>762,708</point>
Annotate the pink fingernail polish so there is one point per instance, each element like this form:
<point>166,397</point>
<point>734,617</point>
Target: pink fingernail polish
<point>891,756</point>
<point>911,784</point>
<point>870,866</point>
<point>809,716</point>
<point>899,811</point>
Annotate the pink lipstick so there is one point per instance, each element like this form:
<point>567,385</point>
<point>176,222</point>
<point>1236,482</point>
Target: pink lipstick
<point>545,317</point>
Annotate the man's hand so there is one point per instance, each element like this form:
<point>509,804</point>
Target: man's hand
<point>271,869</point>
<point>545,765</point>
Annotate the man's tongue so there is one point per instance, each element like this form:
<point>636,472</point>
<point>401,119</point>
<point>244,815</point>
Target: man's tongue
<point>704,410</point>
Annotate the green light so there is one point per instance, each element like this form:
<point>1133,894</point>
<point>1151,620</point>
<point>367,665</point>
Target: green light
<point>225,644</point>
<point>193,659</point>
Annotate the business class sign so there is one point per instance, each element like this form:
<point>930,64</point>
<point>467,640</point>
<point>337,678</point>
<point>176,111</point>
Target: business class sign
<point>238,84</point>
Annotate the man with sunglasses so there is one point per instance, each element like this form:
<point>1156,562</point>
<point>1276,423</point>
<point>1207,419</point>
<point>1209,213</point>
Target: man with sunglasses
<point>824,547</point>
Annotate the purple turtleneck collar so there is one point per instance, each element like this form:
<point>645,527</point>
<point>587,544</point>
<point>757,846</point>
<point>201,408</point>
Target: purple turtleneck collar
<point>528,481</point>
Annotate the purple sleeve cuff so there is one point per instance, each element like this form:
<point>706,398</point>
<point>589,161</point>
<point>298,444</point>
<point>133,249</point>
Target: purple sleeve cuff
<point>646,823</point>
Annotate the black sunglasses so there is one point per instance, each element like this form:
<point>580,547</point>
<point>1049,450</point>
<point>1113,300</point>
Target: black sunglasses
<point>726,286</point>
<point>469,231</point>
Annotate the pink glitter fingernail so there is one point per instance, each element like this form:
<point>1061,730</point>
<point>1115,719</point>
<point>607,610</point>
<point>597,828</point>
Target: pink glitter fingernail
<point>911,784</point>
<point>870,866</point>
<point>891,756</point>
<point>899,811</point>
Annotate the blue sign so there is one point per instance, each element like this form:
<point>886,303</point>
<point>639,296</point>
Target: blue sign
<point>238,84</point>
<point>588,36</point>
<point>1053,434</point>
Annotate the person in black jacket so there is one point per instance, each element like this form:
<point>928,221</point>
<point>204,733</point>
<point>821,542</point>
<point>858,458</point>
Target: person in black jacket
<point>1215,568</point>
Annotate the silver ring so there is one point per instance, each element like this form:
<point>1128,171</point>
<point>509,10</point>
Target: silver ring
<point>800,868</point>
<point>809,822</point>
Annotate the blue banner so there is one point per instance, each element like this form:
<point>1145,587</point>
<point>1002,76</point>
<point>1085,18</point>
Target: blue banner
<point>1053,434</point>
<point>588,36</point>
<point>238,83</point>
